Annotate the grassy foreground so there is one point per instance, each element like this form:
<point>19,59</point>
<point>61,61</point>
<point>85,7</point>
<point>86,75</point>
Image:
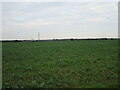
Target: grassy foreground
<point>60,64</point>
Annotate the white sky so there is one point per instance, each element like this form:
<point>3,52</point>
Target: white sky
<point>23,20</point>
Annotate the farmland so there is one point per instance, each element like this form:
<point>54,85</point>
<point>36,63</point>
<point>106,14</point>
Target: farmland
<point>60,64</point>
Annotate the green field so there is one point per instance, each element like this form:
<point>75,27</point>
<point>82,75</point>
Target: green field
<point>60,64</point>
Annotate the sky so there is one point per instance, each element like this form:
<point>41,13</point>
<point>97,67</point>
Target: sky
<point>54,20</point>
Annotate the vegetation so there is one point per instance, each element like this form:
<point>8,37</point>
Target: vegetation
<point>60,64</point>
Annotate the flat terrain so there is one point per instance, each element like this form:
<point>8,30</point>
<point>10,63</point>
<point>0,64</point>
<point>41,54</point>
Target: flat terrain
<point>60,64</point>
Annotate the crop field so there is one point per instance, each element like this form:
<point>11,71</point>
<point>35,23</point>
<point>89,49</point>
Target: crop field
<point>60,64</point>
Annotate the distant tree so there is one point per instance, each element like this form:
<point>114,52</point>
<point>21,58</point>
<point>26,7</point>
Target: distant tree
<point>71,39</point>
<point>16,40</point>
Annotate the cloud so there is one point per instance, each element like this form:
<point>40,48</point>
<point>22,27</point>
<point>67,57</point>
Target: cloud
<point>95,20</point>
<point>20,17</point>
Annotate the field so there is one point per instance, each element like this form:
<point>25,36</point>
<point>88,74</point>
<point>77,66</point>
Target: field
<point>60,64</point>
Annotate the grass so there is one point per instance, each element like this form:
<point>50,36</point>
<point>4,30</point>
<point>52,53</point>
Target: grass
<point>60,64</point>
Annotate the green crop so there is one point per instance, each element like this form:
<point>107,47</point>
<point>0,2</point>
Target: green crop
<point>60,64</point>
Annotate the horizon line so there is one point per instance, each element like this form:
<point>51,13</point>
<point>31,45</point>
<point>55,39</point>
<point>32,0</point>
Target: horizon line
<point>66,38</point>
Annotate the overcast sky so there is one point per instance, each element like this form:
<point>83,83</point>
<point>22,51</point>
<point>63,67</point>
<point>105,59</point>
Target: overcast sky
<point>59,20</point>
